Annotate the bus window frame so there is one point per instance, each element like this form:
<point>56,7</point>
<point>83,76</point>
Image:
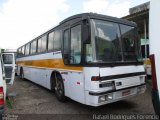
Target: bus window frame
<point>63,54</point>
<point>60,32</point>
<point>82,54</point>
<point>35,40</point>
<point>87,64</point>
<point>45,35</point>
<point>48,41</point>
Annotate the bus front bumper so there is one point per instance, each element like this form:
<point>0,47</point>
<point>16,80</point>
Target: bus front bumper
<point>102,98</point>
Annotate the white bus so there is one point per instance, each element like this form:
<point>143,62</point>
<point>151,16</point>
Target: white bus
<point>154,30</point>
<point>91,58</point>
<point>11,53</point>
<point>145,55</point>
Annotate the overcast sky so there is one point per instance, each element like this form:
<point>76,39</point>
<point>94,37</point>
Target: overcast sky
<point>23,20</point>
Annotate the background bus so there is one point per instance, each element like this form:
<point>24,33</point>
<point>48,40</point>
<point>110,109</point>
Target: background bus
<point>154,26</point>
<point>7,64</point>
<point>145,55</point>
<point>11,53</point>
<point>90,58</point>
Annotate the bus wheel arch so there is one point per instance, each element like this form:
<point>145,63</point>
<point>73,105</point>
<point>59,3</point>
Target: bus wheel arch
<point>57,85</point>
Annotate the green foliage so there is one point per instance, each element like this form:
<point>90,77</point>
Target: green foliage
<point>10,102</point>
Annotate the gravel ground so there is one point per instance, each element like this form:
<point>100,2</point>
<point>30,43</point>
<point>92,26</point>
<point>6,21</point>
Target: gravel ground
<point>32,99</point>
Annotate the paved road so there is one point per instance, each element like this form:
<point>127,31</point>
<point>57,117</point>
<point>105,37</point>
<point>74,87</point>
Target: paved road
<point>34,99</point>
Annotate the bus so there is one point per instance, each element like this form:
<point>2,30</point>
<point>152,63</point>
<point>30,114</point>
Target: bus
<point>12,53</point>
<point>91,58</point>
<point>7,64</point>
<point>154,26</point>
<point>145,56</point>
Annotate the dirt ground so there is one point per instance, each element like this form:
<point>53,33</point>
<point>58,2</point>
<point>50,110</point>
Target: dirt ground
<point>32,99</point>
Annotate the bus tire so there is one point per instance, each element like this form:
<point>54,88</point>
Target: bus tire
<point>21,74</point>
<point>59,88</point>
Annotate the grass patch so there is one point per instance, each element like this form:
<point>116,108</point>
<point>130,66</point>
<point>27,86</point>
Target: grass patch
<point>10,102</point>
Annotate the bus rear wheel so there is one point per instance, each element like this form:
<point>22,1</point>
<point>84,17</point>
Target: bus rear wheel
<point>59,88</point>
<point>21,74</point>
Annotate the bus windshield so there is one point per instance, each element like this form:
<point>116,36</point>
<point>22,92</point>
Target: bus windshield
<point>114,42</point>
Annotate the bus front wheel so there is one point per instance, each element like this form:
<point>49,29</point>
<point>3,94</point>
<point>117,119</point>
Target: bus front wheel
<point>59,88</point>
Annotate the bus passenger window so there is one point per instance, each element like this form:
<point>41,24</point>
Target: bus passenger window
<point>39,45</point>
<point>27,49</point>
<point>66,42</point>
<point>23,51</point>
<point>50,41</point>
<point>19,52</point>
<point>57,40</point>
<point>33,47</point>
<point>75,45</point>
<point>43,43</point>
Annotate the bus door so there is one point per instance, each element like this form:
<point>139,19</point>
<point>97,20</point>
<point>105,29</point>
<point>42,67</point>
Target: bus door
<point>9,67</point>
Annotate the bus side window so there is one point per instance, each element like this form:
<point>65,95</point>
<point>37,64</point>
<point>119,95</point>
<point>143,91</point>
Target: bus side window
<point>39,45</point>
<point>19,52</point>
<point>66,42</point>
<point>33,47</point>
<point>42,44</point>
<point>50,41</point>
<point>57,40</point>
<point>23,52</point>
<point>27,49</point>
<point>66,46</point>
<point>75,45</point>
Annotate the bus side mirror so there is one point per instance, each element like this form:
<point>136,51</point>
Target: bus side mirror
<point>86,34</point>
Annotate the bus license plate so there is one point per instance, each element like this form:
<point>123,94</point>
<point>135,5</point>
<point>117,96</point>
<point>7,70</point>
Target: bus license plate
<point>126,92</point>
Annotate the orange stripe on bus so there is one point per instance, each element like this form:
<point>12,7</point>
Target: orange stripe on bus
<point>48,63</point>
<point>147,62</point>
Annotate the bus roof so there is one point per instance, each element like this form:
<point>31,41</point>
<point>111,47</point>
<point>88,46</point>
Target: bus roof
<point>85,16</point>
<point>98,16</point>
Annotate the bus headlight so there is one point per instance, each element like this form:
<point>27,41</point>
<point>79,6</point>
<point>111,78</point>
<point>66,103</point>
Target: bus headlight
<point>104,98</point>
<point>109,96</point>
